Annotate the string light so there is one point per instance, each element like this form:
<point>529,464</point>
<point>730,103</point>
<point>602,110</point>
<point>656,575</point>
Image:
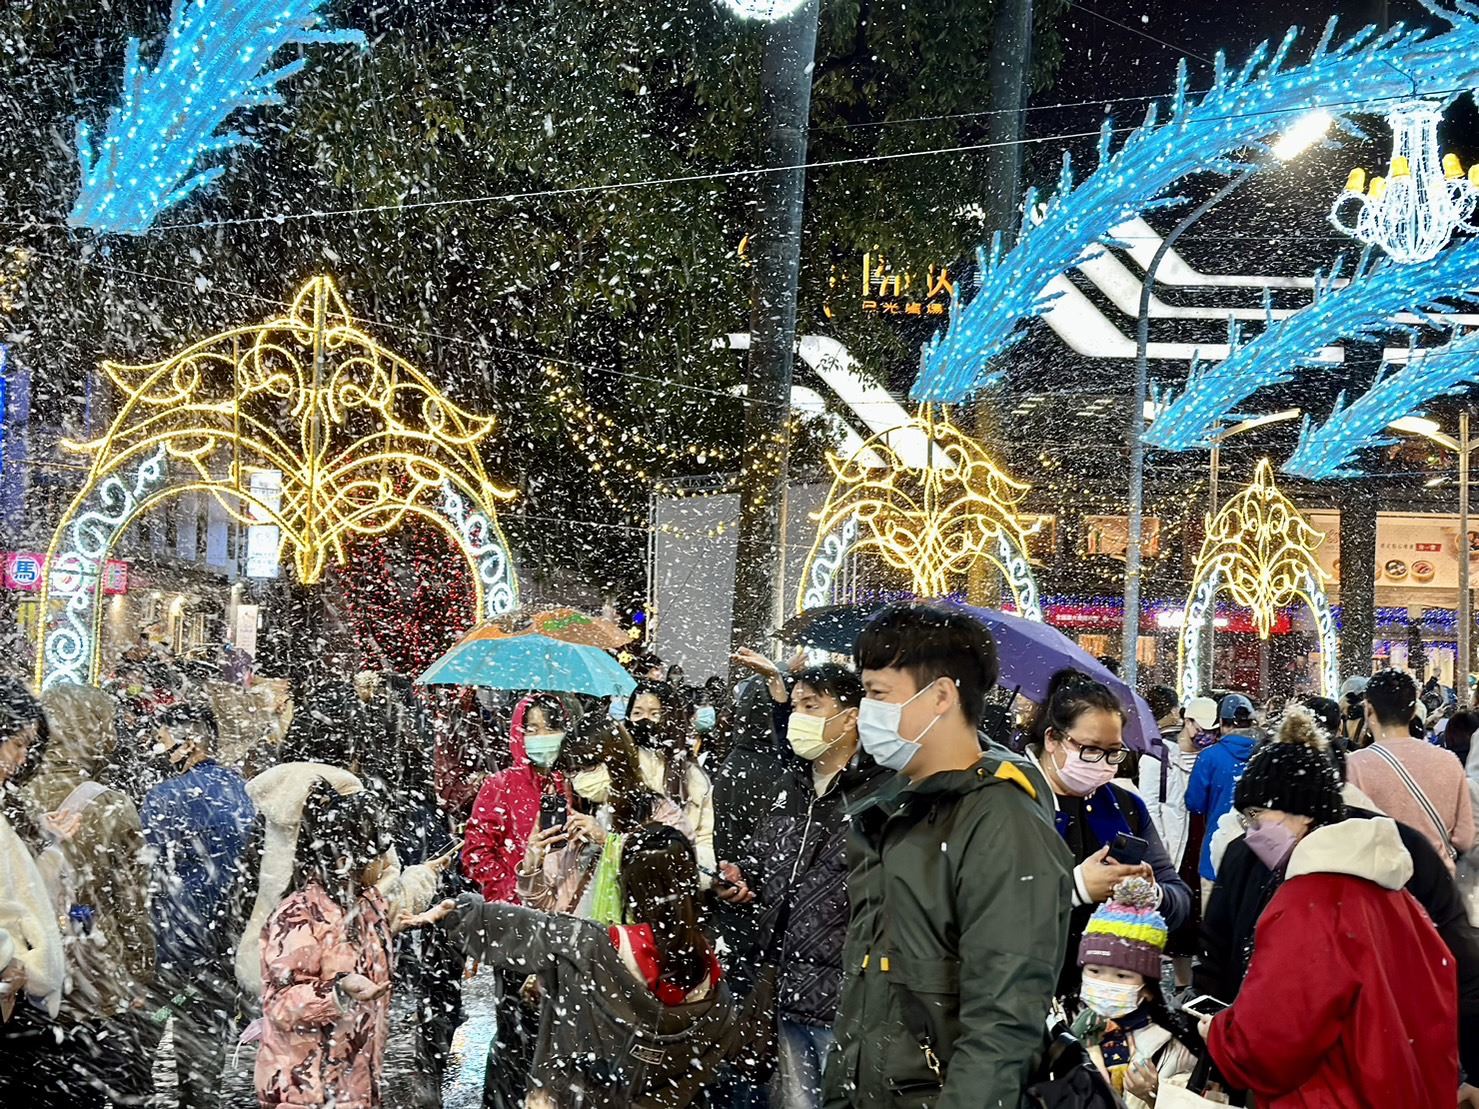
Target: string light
<point>13,273</point>
<point>933,524</point>
<point>1328,450</point>
<point>359,436</point>
<point>1412,213</point>
<point>1200,136</point>
<point>1262,551</point>
<point>168,118</point>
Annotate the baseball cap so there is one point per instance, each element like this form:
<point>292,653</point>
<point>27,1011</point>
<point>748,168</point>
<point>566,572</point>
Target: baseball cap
<point>1202,711</point>
<point>1237,710</point>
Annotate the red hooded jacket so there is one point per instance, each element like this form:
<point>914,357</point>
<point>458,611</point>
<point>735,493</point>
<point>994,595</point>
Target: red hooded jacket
<point>504,815</point>
<point>1351,1001</point>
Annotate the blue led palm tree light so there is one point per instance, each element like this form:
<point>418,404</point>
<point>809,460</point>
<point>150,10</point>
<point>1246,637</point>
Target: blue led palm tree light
<point>1362,309</point>
<point>168,119</point>
<point>1329,450</point>
<point>1237,114</point>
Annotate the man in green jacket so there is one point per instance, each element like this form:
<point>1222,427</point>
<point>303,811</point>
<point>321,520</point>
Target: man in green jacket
<point>960,886</point>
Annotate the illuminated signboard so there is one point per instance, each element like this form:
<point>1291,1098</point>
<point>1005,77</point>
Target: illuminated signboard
<point>885,291</point>
<point>24,570</point>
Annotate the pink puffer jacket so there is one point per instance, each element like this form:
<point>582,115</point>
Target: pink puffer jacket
<point>313,1051</point>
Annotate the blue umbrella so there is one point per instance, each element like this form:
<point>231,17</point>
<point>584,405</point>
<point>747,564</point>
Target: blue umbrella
<point>497,660</point>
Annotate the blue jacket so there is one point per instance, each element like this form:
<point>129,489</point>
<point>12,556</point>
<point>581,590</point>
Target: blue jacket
<point>197,824</point>
<point>1210,790</point>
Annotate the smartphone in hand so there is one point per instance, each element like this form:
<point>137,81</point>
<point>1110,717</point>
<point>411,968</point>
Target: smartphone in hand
<point>1128,850</point>
<point>1205,1006</point>
<point>554,811</point>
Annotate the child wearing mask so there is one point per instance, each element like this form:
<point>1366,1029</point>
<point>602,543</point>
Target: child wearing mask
<point>1135,1040</point>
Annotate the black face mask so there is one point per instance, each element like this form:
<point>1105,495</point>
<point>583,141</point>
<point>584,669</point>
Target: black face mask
<point>643,732</point>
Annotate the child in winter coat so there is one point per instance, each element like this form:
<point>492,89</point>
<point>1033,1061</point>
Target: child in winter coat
<point>1136,1041</point>
<point>326,962</point>
<point>635,1015</point>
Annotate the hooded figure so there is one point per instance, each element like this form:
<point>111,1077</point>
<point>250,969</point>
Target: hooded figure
<point>28,928</point>
<point>507,806</point>
<point>100,866</point>
<point>1370,1020</point>
<point>279,795</point>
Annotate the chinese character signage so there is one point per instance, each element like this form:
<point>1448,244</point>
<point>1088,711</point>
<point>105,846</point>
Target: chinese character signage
<point>885,291</point>
<point>24,570</point>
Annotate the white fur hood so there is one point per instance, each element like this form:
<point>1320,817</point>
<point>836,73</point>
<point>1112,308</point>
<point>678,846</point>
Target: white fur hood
<point>1362,848</point>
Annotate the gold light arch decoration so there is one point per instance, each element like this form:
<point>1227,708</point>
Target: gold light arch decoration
<point>933,522</point>
<point>1262,551</point>
<point>359,437</point>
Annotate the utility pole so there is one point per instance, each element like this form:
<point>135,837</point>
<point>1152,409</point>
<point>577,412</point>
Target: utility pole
<point>790,49</point>
<point>1009,64</point>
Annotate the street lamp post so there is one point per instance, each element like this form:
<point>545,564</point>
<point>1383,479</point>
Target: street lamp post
<point>1301,135</point>
<point>1462,447</point>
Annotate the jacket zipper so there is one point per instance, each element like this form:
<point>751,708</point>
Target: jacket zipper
<point>801,851</point>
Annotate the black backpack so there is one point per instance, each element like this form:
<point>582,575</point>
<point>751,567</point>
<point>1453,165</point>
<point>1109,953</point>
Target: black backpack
<point>1067,1077</point>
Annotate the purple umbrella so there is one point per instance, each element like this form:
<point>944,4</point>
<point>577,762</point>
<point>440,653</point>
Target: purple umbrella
<point>1030,654</point>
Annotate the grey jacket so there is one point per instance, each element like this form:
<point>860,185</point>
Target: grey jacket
<point>604,1039</point>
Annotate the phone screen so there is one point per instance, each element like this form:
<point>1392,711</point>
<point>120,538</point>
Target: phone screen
<point>1205,1006</point>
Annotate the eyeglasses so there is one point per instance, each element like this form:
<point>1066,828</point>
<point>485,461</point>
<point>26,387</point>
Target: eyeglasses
<point>1113,756</point>
<point>1248,818</point>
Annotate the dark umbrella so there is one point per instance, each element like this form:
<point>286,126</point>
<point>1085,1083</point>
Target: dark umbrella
<point>1030,654</point>
<point>831,628</point>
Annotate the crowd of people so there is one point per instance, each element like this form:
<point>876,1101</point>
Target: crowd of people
<point>831,884</point>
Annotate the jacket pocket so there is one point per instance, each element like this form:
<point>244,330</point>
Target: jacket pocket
<point>925,998</point>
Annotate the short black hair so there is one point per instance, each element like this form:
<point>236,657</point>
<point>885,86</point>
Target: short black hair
<point>1392,695</point>
<point>835,681</point>
<point>1327,715</point>
<point>1070,695</point>
<point>1162,700</point>
<point>929,643</point>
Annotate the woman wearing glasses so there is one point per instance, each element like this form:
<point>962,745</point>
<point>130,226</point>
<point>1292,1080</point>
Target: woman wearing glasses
<point>1079,744</point>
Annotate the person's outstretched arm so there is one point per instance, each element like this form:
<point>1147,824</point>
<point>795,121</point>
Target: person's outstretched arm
<point>1013,895</point>
<point>522,940</point>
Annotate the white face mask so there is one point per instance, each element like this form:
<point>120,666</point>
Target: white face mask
<point>878,728</point>
<point>1110,999</point>
<point>593,784</point>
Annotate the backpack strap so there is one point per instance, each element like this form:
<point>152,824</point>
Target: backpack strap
<point>1421,798</point>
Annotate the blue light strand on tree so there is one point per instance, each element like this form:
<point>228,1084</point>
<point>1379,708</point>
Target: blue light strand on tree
<point>1362,309</point>
<point>1238,113</point>
<point>1329,450</point>
<point>168,117</point>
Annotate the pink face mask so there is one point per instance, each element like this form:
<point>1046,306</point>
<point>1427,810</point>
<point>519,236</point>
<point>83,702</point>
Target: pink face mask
<point>1083,778</point>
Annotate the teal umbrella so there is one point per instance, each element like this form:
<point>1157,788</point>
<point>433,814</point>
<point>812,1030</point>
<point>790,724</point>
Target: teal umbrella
<point>489,656</point>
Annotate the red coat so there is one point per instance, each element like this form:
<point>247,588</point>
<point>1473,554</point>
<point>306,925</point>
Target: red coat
<point>1351,1000</point>
<point>503,816</point>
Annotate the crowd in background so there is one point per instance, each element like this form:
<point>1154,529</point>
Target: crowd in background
<point>873,882</point>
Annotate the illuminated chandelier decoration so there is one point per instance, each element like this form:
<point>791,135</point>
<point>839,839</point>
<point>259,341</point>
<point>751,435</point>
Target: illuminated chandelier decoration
<point>1261,550</point>
<point>932,523</point>
<point>1413,212</point>
<point>359,437</point>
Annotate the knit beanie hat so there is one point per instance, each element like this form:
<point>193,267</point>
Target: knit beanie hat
<point>1294,773</point>
<point>1126,932</point>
